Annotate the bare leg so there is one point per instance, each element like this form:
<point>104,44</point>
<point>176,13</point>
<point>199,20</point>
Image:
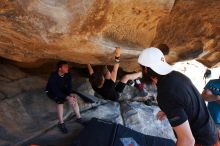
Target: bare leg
<point>60,113</point>
<point>131,77</point>
<point>73,103</point>
<point>90,69</point>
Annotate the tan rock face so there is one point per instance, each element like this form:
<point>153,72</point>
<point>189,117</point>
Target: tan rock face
<point>192,30</point>
<point>85,31</point>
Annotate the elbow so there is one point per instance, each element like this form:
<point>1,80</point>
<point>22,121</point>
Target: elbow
<point>190,141</point>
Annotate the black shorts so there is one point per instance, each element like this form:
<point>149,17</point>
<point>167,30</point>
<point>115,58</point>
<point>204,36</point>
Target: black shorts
<point>110,90</point>
<point>56,99</point>
<point>120,87</point>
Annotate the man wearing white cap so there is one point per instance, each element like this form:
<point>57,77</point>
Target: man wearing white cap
<point>180,101</point>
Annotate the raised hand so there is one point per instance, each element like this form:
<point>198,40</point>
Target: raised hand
<point>117,51</point>
<point>161,115</point>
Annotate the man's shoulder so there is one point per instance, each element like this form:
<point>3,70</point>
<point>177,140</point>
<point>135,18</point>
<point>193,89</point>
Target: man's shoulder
<point>174,78</point>
<point>53,74</point>
<point>215,81</point>
<point>177,74</point>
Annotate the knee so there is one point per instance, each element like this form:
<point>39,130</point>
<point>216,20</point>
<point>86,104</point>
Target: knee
<point>72,101</point>
<point>73,95</point>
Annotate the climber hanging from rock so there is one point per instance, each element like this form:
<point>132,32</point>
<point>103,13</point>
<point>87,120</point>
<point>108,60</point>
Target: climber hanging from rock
<point>59,89</point>
<point>104,81</point>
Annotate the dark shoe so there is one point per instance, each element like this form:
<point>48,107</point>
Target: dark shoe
<point>63,128</point>
<point>130,83</point>
<point>81,121</point>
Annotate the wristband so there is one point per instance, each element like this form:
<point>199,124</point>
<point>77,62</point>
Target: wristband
<point>117,60</point>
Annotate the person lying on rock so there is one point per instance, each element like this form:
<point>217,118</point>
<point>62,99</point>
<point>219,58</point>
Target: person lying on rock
<point>211,93</point>
<point>59,89</point>
<point>180,101</point>
<point>104,83</point>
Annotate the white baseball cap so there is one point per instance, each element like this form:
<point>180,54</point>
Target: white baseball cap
<point>154,59</point>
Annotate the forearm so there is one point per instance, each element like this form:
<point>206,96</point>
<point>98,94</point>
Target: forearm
<point>114,72</point>
<point>218,101</point>
<point>90,69</point>
<point>115,68</point>
<point>211,97</point>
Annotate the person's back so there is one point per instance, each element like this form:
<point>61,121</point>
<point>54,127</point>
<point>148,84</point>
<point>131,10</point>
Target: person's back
<point>107,91</point>
<point>176,91</point>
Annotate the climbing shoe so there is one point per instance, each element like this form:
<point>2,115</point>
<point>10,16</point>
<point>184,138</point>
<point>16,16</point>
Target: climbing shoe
<point>81,121</point>
<point>63,128</point>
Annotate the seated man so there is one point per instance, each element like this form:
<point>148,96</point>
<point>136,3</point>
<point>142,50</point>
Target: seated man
<point>211,93</point>
<point>59,89</point>
<point>105,83</point>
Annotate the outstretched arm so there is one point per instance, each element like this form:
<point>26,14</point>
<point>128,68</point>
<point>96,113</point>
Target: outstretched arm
<point>131,77</point>
<point>116,65</point>
<point>91,71</point>
<point>208,96</point>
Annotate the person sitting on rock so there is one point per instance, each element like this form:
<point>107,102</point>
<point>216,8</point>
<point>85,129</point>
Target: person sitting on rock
<point>211,93</point>
<point>59,89</point>
<point>105,83</point>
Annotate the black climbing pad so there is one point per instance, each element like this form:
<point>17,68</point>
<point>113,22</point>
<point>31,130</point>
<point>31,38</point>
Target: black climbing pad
<point>103,133</point>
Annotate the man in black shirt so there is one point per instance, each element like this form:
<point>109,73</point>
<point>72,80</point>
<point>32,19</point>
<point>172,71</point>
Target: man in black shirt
<point>179,100</point>
<point>59,89</point>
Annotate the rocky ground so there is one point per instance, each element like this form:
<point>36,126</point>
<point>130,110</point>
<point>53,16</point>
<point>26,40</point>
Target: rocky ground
<point>28,116</point>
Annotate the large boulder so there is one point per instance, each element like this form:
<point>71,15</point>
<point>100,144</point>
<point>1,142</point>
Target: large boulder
<point>192,31</point>
<point>34,31</point>
<point>78,31</point>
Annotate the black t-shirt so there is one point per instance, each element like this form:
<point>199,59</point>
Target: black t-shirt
<point>181,101</point>
<point>58,86</point>
<point>107,91</point>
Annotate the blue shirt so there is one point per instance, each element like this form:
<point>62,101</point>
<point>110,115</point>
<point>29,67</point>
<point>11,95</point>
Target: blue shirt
<point>214,107</point>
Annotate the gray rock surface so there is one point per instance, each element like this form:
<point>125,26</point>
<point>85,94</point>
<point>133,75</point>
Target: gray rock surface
<point>29,116</point>
<point>109,111</point>
<point>142,118</point>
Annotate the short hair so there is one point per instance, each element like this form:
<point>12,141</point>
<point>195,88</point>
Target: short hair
<point>60,64</point>
<point>164,48</point>
<point>208,73</point>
